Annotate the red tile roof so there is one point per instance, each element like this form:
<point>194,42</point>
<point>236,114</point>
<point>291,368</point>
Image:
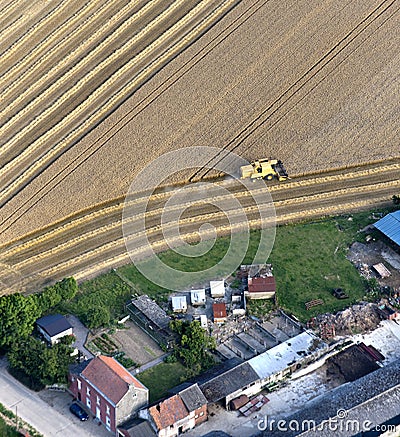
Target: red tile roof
<point>262,285</point>
<point>110,377</point>
<point>219,310</point>
<point>168,412</point>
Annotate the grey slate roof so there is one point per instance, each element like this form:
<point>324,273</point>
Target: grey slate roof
<point>77,368</point>
<point>374,397</point>
<point>138,428</point>
<point>152,311</point>
<point>228,382</point>
<point>53,324</point>
<point>193,397</point>
<point>390,226</point>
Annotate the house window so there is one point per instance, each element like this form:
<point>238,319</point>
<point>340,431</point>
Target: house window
<point>88,403</point>
<point>108,422</point>
<point>79,384</point>
<point>98,400</point>
<point>108,409</point>
<point>88,391</point>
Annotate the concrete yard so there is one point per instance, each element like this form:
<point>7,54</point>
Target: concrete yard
<point>299,391</point>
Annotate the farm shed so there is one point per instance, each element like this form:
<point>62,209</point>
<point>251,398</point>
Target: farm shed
<point>179,304</point>
<point>242,379</point>
<point>152,319</point>
<point>198,297</point>
<point>261,287</point>
<point>54,327</point>
<point>136,428</point>
<point>219,312</point>
<point>390,226</point>
<point>217,288</point>
<point>286,357</point>
<point>382,271</point>
<point>194,400</point>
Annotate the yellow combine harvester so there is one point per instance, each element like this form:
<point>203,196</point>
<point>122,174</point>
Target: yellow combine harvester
<point>264,169</point>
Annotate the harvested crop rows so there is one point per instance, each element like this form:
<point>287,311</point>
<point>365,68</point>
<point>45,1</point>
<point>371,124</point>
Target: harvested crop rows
<point>315,85</point>
<point>88,244</point>
<point>84,85</point>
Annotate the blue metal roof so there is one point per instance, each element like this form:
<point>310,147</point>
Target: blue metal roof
<point>390,226</point>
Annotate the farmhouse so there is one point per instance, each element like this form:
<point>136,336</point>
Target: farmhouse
<point>194,400</point>
<point>108,390</point>
<point>54,327</point>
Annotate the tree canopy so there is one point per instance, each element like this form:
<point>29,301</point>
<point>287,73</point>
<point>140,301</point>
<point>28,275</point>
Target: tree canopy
<point>19,313</point>
<point>193,345</point>
<point>41,363</point>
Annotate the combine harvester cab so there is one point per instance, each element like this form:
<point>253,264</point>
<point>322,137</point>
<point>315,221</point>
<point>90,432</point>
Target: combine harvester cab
<point>264,169</point>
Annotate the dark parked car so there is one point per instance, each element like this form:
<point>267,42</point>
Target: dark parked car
<point>339,293</point>
<point>79,412</point>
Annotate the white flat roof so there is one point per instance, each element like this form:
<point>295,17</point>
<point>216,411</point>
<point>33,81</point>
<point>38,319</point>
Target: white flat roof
<point>217,287</point>
<point>281,356</point>
<point>179,302</point>
<point>198,295</point>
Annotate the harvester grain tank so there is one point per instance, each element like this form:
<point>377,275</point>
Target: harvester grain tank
<point>264,169</point>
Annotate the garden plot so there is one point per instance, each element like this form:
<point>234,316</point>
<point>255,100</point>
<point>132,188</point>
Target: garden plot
<point>136,344</point>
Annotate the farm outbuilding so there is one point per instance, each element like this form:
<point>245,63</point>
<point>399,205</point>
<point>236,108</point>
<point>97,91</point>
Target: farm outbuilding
<point>217,288</point>
<point>53,327</point>
<point>261,287</point>
<point>179,304</point>
<point>152,319</point>
<point>390,226</point>
<point>219,313</point>
<point>198,297</point>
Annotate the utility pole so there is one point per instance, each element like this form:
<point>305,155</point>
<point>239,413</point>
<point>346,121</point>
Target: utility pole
<point>15,404</point>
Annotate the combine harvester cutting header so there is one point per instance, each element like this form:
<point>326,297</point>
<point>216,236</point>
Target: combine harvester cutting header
<point>264,169</point>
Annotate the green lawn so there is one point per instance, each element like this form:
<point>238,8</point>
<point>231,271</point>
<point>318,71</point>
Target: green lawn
<point>309,261</point>
<point>159,379</point>
<point>308,258</point>
<point>6,430</point>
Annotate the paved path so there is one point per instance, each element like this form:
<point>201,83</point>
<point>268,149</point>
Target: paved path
<point>150,364</point>
<point>38,413</point>
<point>81,333</point>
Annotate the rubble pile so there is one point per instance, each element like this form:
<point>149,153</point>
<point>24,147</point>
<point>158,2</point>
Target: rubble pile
<point>359,318</point>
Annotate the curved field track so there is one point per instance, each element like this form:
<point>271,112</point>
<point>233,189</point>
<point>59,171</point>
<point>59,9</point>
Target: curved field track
<point>91,242</point>
<point>315,84</point>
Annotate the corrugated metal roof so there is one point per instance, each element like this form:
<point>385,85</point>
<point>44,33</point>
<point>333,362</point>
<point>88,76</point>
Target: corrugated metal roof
<point>179,303</point>
<point>390,226</point>
<point>283,355</point>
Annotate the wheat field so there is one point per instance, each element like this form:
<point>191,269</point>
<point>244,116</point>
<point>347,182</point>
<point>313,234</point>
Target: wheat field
<point>90,94</point>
